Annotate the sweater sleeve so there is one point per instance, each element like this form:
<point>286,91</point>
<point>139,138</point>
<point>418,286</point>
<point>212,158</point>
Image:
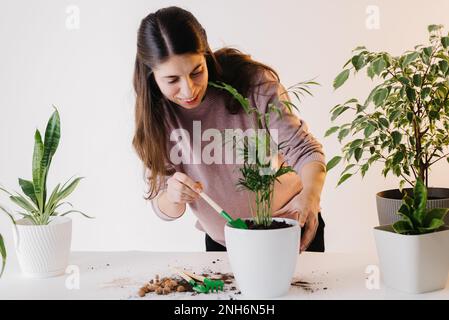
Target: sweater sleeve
<point>299,145</point>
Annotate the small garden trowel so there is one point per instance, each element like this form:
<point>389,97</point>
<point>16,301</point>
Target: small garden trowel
<point>238,223</point>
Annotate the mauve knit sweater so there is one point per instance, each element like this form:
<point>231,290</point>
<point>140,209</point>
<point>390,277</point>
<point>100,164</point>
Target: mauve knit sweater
<point>219,180</point>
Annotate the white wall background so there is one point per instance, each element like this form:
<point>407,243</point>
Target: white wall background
<point>87,73</point>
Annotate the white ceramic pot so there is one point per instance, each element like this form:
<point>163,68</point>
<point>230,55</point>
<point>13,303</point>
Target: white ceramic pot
<point>413,263</point>
<point>263,261</point>
<point>43,250</point>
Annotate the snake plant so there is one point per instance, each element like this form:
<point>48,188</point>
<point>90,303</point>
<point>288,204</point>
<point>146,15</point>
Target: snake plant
<point>34,203</point>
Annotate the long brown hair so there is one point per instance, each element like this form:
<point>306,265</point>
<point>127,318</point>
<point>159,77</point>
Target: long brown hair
<point>166,32</point>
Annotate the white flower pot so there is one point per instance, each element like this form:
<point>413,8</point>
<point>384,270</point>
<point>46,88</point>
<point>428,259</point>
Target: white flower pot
<point>413,263</point>
<point>263,261</point>
<point>43,250</point>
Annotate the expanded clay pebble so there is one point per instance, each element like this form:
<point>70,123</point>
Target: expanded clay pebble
<point>164,286</point>
<point>159,290</point>
<point>180,289</point>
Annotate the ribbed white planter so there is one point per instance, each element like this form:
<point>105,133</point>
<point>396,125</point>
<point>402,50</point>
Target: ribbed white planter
<point>263,261</point>
<point>43,250</point>
<point>389,201</point>
<point>413,263</point>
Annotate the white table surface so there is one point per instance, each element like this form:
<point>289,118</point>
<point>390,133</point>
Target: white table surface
<point>119,275</point>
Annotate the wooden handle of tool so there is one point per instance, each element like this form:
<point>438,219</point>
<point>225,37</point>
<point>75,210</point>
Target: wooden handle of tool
<point>211,202</point>
<point>195,276</point>
<point>182,274</point>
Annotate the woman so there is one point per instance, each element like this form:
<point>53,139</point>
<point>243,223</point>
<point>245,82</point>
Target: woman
<point>173,101</point>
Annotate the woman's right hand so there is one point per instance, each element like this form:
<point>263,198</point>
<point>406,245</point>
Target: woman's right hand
<point>182,189</point>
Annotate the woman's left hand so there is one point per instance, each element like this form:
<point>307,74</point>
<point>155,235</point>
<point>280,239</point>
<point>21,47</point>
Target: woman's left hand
<point>304,207</point>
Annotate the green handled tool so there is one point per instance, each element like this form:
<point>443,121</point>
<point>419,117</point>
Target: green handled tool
<point>195,286</point>
<point>238,223</point>
<point>211,284</point>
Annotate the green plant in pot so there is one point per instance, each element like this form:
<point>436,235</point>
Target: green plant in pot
<point>403,123</point>
<point>254,252</point>
<point>43,234</point>
<point>414,251</point>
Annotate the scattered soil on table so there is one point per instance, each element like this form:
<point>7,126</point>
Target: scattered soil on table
<point>175,284</point>
<point>275,224</point>
<point>307,286</point>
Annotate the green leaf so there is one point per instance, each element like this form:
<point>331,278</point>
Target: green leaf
<point>37,174</point>
<point>341,78</point>
<point>434,27</point>
<point>379,65</point>
<point>398,157</point>
<point>444,66</point>
<point>411,94</point>
<point>356,143</point>
<point>445,42</point>
<point>65,192</point>
<point>437,213</point>
<point>23,203</point>
<point>333,162</point>
<point>420,200</point>
<point>402,227</point>
<point>364,169</point>
<point>425,92</point>
<point>358,61</point>
<point>434,225</point>
<point>394,115</point>
<point>417,80</point>
<point>380,96</point>
<point>405,210</point>
<point>331,131</point>
<point>3,254</point>
<point>76,211</point>
<point>342,134</point>
<point>384,122</point>
<point>404,80</point>
<point>434,115</point>
<point>337,112</point>
<point>428,51</point>
<point>8,214</point>
<point>52,201</point>
<point>28,190</point>
<point>369,130</point>
<point>397,137</point>
<point>358,154</point>
<point>244,102</point>
<point>348,167</point>
<point>409,58</point>
<point>370,71</point>
<point>344,178</point>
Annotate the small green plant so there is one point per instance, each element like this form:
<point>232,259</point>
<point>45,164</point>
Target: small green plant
<point>34,203</point>
<point>416,218</point>
<point>258,174</point>
<point>405,119</point>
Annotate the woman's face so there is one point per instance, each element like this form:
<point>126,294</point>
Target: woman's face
<point>182,79</point>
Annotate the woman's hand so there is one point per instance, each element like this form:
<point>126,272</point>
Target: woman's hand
<point>182,189</point>
<point>304,207</point>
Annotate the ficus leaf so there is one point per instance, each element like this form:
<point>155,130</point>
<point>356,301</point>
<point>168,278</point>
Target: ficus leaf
<point>333,162</point>
<point>341,78</point>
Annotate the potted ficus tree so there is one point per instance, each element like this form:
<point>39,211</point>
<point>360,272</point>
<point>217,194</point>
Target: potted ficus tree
<point>414,251</point>
<point>43,234</point>
<point>403,123</point>
<point>263,257</point>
